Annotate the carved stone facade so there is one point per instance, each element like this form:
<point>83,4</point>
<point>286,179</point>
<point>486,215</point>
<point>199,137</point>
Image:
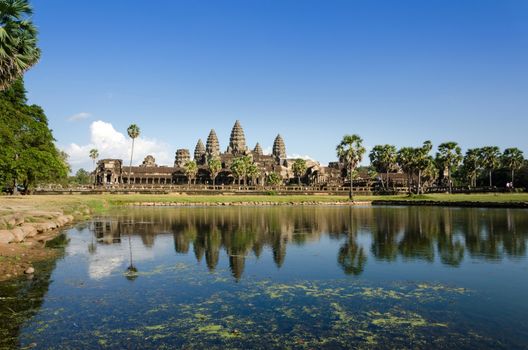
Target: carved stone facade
<point>112,171</point>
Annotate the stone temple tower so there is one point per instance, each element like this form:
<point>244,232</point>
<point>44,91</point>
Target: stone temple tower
<point>237,141</point>
<point>199,152</point>
<point>258,150</point>
<point>182,157</point>
<point>212,147</point>
<point>279,148</point>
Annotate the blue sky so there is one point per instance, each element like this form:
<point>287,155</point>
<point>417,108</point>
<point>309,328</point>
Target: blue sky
<point>396,72</point>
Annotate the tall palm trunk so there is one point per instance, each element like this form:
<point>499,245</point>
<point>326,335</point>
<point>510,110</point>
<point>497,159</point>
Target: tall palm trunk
<point>130,166</point>
<point>512,176</point>
<point>449,180</point>
<point>490,181</point>
<point>351,190</point>
<point>419,189</point>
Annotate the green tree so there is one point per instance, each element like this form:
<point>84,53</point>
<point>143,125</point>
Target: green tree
<point>471,165</point>
<point>191,170</point>
<point>215,166</point>
<point>18,41</point>
<point>94,154</point>
<point>405,159</point>
<point>449,156</point>
<point>383,159</point>
<point>238,168</point>
<point>299,169</point>
<point>424,163</point>
<point>133,132</point>
<point>490,159</point>
<point>28,154</point>
<point>252,172</point>
<point>274,179</point>
<point>350,151</point>
<point>513,159</point>
<point>82,177</point>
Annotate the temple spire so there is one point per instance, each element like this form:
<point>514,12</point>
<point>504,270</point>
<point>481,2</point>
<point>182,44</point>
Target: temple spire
<point>212,147</point>
<point>199,152</point>
<point>258,149</point>
<point>237,141</point>
<point>279,148</point>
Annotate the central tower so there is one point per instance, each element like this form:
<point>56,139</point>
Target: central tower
<point>237,141</point>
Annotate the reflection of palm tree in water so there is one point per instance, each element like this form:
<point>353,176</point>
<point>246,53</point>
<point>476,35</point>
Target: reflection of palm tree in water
<point>131,273</point>
<point>351,256</point>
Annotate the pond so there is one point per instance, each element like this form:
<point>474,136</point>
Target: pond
<point>279,277</point>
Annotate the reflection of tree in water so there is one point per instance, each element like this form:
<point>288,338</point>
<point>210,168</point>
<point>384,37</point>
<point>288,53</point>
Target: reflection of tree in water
<point>418,233</point>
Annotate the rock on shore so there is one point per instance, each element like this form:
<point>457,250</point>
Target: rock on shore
<point>18,227</point>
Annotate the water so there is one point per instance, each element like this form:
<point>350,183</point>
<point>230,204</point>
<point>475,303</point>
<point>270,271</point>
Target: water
<point>283,277</point>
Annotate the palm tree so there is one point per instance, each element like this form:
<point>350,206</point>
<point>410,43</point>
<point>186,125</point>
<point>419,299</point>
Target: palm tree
<point>405,158</point>
<point>449,156</point>
<point>299,169</point>
<point>18,41</point>
<point>215,166</point>
<point>490,160</point>
<point>191,169</point>
<point>252,172</point>
<point>383,158</point>
<point>133,132</point>
<point>471,165</point>
<point>513,159</point>
<point>94,154</point>
<point>350,151</point>
<point>274,179</point>
<point>423,162</point>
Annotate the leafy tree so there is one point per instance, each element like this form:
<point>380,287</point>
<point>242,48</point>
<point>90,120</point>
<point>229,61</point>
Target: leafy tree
<point>274,179</point>
<point>383,159</point>
<point>215,166</point>
<point>489,157</point>
<point>299,169</point>
<point>252,172</point>
<point>133,132</point>
<point>471,165</point>
<point>191,170</point>
<point>513,159</point>
<point>28,154</point>
<point>94,154</point>
<point>238,168</point>
<point>82,177</point>
<point>350,151</point>
<point>405,158</point>
<point>18,41</point>
<point>417,161</point>
<point>449,156</point>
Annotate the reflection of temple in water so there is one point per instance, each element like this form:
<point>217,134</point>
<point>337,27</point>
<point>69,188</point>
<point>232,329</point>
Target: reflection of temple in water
<point>412,233</point>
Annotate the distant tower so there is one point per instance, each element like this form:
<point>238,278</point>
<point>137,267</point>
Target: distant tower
<point>182,157</point>
<point>212,147</point>
<point>199,152</point>
<point>258,149</point>
<point>279,148</point>
<point>237,141</point>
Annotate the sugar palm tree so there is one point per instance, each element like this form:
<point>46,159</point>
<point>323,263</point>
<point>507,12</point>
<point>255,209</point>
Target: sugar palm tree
<point>274,179</point>
<point>94,154</point>
<point>191,169</point>
<point>18,41</point>
<point>513,159</point>
<point>133,132</point>
<point>383,159</point>
<point>471,165</point>
<point>490,160</point>
<point>350,151</point>
<point>299,169</point>
<point>215,166</point>
<point>449,156</point>
<point>238,168</point>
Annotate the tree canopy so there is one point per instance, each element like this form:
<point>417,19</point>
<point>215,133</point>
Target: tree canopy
<point>29,155</point>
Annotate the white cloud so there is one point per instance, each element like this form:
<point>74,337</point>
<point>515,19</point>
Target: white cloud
<point>113,144</point>
<point>297,156</point>
<point>79,116</point>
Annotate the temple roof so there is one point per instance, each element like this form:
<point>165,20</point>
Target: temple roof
<point>199,150</point>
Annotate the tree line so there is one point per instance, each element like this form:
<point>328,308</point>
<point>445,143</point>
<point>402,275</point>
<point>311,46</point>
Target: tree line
<point>422,168</point>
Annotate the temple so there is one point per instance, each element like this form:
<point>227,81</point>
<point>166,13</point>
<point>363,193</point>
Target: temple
<point>114,172</point>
